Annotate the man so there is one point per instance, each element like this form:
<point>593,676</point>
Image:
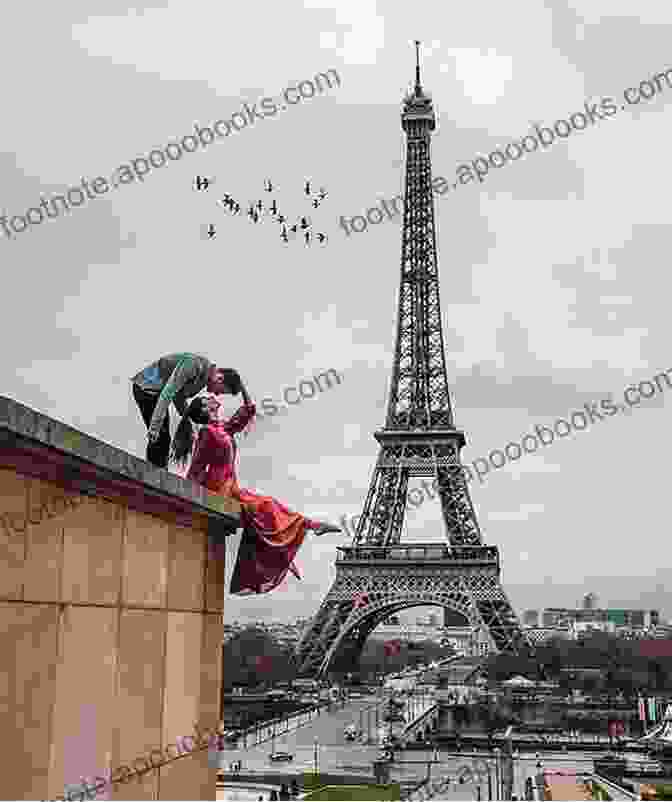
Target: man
<point>175,378</point>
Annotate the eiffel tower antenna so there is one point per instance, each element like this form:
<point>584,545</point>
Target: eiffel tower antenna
<point>377,576</point>
<point>418,88</point>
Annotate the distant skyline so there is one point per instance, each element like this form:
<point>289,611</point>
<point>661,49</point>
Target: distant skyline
<point>554,273</point>
<point>408,617</point>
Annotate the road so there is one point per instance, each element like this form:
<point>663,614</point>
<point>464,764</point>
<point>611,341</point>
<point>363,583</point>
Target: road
<point>409,766</point>
<point>334,753</point>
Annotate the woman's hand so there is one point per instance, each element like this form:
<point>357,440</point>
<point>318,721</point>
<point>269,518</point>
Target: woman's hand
<point>243,391</point>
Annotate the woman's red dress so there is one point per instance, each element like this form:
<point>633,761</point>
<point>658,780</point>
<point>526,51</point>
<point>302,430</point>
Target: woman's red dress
<point>272,534</point>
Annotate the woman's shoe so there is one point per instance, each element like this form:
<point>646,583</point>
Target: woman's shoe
<point>324,528</point>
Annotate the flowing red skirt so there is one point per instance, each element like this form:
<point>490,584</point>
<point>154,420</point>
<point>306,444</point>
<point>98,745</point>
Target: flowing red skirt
<point>272,536</point>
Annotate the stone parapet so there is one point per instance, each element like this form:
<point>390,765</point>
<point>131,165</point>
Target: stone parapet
<point>111,613</point>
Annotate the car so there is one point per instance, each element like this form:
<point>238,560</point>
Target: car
<point>351,732</point>
<point>279,757</point>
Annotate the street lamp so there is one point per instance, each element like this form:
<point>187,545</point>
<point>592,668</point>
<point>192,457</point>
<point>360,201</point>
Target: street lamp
<point>316,745</point>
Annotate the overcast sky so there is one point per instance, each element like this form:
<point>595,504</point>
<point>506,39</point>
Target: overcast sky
<point>554,272</point>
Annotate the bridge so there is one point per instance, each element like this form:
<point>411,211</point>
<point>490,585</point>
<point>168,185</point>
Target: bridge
<point>316,735</point>
<point>316,738</point>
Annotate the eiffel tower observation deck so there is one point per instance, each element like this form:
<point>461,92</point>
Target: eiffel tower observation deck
<point>377,575</point>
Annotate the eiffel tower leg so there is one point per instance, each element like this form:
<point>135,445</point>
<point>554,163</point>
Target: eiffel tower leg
<point>372,596</point>
<point>360,599</point>
<point>385,506</point>
<point>322,631</point>
<point>458,512</point>
<point>497,614</point>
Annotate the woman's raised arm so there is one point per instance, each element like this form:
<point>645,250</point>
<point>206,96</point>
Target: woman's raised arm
<point>246,398</point>
<point>239,421</point>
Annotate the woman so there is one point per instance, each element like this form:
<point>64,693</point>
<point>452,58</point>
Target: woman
<point>272,533</point>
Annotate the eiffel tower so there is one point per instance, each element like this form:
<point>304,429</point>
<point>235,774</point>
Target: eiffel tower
<point>378,576</point>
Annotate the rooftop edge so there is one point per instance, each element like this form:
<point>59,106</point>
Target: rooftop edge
<point>21,423</point>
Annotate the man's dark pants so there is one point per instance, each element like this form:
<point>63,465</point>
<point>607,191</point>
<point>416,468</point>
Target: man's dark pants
<point>157,453</point>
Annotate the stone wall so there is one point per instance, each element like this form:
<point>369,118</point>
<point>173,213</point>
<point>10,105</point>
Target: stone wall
<point>111,607</point>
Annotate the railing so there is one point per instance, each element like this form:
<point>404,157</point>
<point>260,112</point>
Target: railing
<point>615,791</point>
<point>264,731</point>
<point>427,708</point>
<point>466,697</point>
<point>420,552</point>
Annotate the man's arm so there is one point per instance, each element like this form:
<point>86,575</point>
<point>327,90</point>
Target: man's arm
<point>181,403</point>
<point>185,371</point>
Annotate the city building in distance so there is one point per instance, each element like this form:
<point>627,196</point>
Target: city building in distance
<point>573,623</point>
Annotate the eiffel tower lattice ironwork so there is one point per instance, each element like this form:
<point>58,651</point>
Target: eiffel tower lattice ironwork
<point>377,576</point>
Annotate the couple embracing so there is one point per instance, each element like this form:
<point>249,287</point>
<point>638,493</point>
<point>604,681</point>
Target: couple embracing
<point>272,533</point>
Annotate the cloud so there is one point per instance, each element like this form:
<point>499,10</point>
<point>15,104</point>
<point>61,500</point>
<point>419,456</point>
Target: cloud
<point>523,513</point>
<point>536,265</point>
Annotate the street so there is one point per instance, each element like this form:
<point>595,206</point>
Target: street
<point>334,753</point>
<point>320,744</point>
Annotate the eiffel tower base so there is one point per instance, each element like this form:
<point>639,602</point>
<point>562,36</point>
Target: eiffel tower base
<point>373,583</point>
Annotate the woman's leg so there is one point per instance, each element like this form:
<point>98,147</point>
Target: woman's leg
<point>321,527</point>
<point>271,515</point>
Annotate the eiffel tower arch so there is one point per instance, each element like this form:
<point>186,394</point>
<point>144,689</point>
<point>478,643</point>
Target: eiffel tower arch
<point>368,590</point>
<point>378,575</point>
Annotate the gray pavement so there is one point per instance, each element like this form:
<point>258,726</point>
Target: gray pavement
<point>334,753</point>
<point>409,766</point>
<point>249,793</point>
<point>450,765</point>
<point>576,762</point>
<point>323,738</point>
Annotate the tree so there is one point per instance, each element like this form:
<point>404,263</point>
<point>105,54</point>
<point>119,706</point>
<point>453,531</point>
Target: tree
<point>254,658</point>
<point>590,684</point>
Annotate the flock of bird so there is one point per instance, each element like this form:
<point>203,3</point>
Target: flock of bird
<point>259,210</point>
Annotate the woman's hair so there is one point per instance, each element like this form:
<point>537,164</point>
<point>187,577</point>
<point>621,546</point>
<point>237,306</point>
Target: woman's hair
<point>232,379</point>
<point>183,441</point>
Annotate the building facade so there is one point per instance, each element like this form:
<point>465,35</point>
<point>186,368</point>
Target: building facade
<point>531,618</point>
<point>564,616</point>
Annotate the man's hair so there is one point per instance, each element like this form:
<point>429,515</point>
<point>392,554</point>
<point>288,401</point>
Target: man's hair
<point>231,378</point>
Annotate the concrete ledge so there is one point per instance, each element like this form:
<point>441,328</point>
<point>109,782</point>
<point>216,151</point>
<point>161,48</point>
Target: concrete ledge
<point>42,447</point>
<point>112,589</point>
